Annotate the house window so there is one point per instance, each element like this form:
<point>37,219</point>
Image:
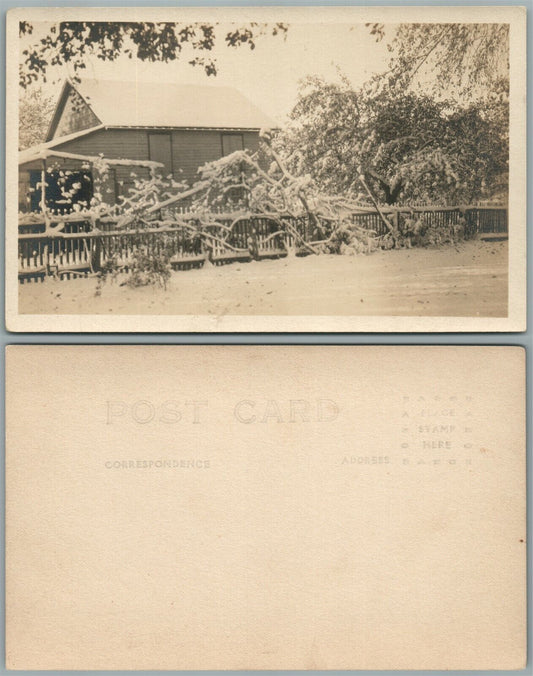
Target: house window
<point>231,143</point>
<point>160,150</point>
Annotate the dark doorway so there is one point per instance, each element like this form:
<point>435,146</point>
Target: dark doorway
<point>231,143</point>
<point>160,150</point>
<point>64,189</point>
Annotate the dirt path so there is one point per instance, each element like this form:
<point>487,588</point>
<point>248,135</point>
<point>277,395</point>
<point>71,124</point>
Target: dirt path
<point>470,280</point>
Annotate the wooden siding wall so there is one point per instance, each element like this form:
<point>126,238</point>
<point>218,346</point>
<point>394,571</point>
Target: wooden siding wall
<point>24,191</point>
<point>190,148</point>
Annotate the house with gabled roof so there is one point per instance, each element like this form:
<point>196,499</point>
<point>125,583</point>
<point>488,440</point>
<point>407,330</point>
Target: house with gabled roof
<point>178,126</point>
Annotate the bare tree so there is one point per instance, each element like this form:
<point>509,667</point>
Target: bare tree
<point>35,112</point>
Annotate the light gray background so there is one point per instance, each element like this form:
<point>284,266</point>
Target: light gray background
<point>523,339</point>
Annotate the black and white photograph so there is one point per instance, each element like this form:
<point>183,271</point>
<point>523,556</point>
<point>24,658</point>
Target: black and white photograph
<point>266,169</point>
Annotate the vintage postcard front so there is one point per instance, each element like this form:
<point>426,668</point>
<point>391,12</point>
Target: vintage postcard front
<point>265,508</point>
<point>255,169</point>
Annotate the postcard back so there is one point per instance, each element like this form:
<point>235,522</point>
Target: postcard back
<point>265,507</point>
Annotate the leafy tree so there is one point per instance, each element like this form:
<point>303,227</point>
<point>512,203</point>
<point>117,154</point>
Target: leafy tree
<point>35,113</point>
<point>72,41</point>
<point>406,146</point>
<point>469,57</point>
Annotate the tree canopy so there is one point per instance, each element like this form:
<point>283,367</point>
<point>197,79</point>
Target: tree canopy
<point>467,57</point>
<point>70,42</point>
<point>405,146</point>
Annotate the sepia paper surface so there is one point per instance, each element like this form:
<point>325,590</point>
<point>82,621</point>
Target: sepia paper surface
<point>265,508</point>
<point>299,299</point>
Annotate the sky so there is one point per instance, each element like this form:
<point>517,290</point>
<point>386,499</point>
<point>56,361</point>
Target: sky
<point>268,75</point>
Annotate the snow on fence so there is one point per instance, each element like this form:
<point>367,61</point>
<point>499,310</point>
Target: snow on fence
<point>81,249</point>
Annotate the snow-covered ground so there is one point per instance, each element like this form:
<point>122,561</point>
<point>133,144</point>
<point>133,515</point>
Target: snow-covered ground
<point>467,280</point>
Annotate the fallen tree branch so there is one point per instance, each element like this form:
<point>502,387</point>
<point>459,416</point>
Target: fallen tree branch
<point>393,231</point>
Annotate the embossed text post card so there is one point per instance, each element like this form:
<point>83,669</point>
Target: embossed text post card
<point>265,508</point>
<point>258,169</point>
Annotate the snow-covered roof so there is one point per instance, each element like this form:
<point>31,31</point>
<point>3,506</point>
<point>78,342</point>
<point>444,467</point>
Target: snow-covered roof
<point>161,104</point>
<point>39,151</point>
<point>45,151</point>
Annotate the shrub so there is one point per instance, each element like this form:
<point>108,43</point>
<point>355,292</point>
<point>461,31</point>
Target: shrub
<point>148,266</point>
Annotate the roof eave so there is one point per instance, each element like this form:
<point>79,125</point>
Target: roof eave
<point>59,106</point>
<point>189,128</point>
<point>34,151</point>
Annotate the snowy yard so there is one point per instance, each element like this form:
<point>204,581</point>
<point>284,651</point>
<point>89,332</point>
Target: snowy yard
<point>467,280</point>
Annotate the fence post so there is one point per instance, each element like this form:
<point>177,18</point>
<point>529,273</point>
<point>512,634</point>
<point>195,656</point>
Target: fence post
<point>46,259</point>
<point>395,217</point>
<point>96,255</point>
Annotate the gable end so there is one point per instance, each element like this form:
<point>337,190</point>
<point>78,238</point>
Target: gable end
<point>72,114</point>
